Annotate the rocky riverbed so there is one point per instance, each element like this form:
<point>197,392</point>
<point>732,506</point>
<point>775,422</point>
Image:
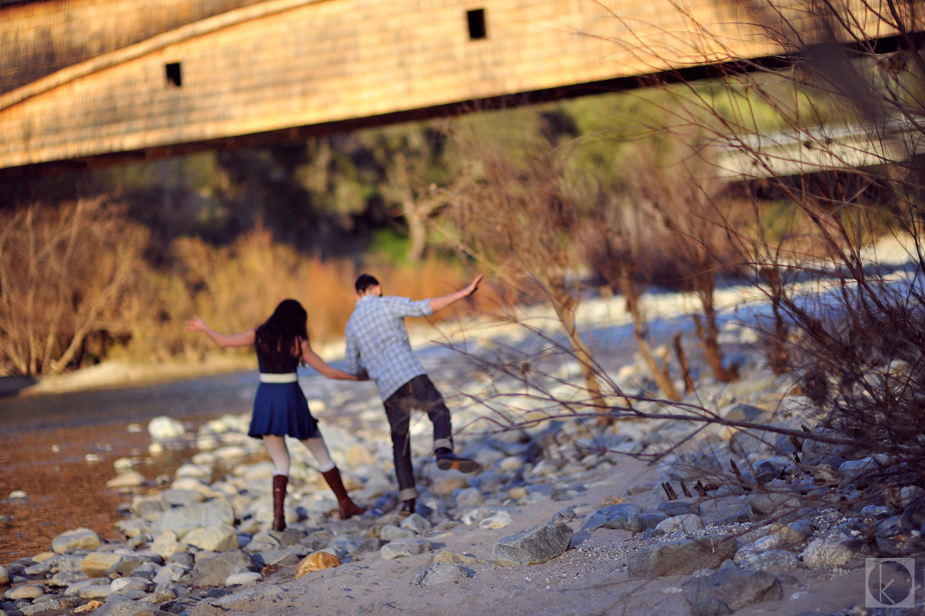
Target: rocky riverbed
<point>645,516</point>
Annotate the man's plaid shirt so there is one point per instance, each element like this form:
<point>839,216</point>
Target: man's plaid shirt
<point>376,335</point>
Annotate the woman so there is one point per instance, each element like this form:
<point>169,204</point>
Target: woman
<point>280,408</point>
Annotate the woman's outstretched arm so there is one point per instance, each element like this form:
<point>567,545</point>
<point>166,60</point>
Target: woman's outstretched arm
<point>312,359</point>
<point>223,340</point>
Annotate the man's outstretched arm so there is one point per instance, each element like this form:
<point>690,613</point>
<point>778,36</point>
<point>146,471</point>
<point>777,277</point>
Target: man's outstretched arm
<point>445,301</point>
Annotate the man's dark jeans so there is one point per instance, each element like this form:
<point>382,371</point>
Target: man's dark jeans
<point>417,394</point>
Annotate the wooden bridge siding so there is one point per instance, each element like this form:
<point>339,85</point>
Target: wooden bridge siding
<point>340,59</point>
<point>38,38</point>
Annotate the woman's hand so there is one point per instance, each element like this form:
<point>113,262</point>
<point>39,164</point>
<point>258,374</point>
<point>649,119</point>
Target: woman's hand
<point>196,325</point>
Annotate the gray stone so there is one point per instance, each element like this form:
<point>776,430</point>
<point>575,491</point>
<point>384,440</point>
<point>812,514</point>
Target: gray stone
<point>28,591</point>
<point>170,573</point>
<point>623,516</point>
<point>680,523</point>
<point>183,519</point>
<point>734,587</point>
<point>710,607</point>
<point>174,497</point>
<point>81,538</point>
<point>827,552</point>
<point>854,467</point>
<point>566,515</point>
<point>746,412</point>
<point>404,547</point>
<point>128,608</point>
<point>469,497</point>
<point>248,578</point>
<point>441,573</point>
<point>682,557</point>
<point>390,532</point>
<point>66,578</point>
<point>416,523</point>
<point>28,609</point>
<point>533,546</point>
<point>97,590</point>
<point>216,538</point>
<point>126,564</point>
<point>776,560</point>
<point>215,570</point>
<point>678,507</point>
<point>770,502</point>
<point>122,585</point>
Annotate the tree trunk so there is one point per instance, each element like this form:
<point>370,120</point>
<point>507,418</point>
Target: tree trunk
<point>564,305</point>
<point>631,295</point>
<point>708,330</point>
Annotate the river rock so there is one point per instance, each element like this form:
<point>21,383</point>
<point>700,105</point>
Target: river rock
<point>678,507</point>
<point>404,547</point>
<point>246,578</point>
<point>440,573</point>
<point>122,585</point>
<point>98,590</point>
<point>95,564</point>
<point>682,557</point>
<point>827,552</point>
<point>734,587</point>
<point>623,516</point>
<point>217,538</point>
<point>78,539</point>
<point>453,558</point>
<point>470,497</point>
<point>680,523</point>
<point>166,544</point>
<point>533,546</point>
<point>390,532</point>
<point>215,570</point>
<point>127,479</point>
<point>165,428</point>
<point>127,564</point>
<point>4,576</point>
<point>178,497</point>
<point>416,523</point>
<point>183,519</point>
<point>316,562</point>
<point>27,591</point>
<point>129,608</point>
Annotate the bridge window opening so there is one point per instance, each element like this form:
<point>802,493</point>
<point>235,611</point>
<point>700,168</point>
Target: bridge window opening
<point>174,74</point>
<point>476,20</point>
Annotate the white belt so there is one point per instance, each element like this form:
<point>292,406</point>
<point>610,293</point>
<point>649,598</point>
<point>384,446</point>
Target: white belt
<point>284,377</point>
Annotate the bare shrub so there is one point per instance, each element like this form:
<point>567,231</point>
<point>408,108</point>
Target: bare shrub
<point>513,212</point>
<point>65,275</point>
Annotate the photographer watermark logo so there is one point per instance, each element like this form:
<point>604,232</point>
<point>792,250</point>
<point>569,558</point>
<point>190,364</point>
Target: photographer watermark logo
<point>889,582</point>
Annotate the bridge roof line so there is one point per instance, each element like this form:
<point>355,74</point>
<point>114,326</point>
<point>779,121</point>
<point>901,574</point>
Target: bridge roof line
<point>155,43</point>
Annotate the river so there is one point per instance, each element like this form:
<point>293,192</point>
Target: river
<point>60,448</point>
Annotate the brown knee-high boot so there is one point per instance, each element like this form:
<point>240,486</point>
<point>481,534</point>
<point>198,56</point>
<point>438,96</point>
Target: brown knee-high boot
<point>279,498</point>
<point>348,508</point>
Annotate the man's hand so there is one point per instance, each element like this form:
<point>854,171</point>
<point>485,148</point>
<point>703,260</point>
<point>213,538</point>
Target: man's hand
<point>439,303</point>
<point>469,290</point>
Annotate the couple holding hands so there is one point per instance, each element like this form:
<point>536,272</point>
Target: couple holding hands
<point>377,348</point>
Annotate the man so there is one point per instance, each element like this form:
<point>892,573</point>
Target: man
<point>376,335</point>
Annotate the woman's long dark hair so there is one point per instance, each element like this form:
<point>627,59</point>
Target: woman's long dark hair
<point>276,339</point>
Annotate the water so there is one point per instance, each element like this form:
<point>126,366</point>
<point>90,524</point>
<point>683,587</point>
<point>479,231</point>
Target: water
<point>209,396</point>
<point>45,441</point>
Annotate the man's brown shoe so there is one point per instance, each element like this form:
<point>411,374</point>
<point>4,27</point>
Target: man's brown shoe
<point>450,461</point>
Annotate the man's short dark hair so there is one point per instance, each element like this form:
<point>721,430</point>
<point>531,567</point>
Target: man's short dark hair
<point>364,283</point>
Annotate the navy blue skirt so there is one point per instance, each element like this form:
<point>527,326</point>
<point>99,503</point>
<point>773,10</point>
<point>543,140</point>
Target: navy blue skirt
<point>281,409</point>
